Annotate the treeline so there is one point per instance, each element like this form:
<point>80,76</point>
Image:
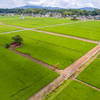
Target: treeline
<point>44,11</point>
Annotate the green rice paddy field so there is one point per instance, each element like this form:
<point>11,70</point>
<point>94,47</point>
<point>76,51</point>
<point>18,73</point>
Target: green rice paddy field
<point>45,48</point>
<point>91,74</point>
<point>89,30</point>
<point>99,56</point>
<point>32,22</point>
<point>7,29</point>
<point>77,91</point>
<point>20,78</point>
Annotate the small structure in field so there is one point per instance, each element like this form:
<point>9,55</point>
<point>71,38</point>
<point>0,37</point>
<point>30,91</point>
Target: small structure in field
<point>22,18</point>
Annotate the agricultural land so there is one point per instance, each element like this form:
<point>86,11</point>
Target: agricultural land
<point>29,68</point>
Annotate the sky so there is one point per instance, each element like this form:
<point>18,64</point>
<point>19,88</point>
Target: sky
<point>51,3</point>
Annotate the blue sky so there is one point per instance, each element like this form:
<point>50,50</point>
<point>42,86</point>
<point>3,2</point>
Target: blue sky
<point>51,3</point>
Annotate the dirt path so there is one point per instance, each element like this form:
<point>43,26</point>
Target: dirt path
<point>68,36</point>
<point>62,35</point>
<point>35,60</point>
<point>59,24</point>
<point>87,84</point>
<point>15,26</point>
<point>11,32</point>
<point>78,63</point>
<point>84,66</point>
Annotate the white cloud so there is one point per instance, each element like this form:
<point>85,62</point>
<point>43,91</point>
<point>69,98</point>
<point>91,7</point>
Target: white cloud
<point>51,3</point>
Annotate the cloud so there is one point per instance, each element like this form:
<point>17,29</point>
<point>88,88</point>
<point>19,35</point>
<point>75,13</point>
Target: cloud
<point>51,3</point>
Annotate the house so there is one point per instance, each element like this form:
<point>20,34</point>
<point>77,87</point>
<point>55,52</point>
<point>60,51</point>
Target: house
<point>47,14</point>
<point>36,15</point>
<point>22,18</point>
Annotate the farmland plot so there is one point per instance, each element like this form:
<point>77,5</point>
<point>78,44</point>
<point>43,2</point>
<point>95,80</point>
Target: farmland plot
<point>32,22</point>
<point>89,30</point>
<point>49,53</point>
<point>78,91</point>
<point>77,45</point>
<point>45,48</point>
<point>98,56</point>
<point>91,74</point>
<point>45,52</point>
<point>20,78</point>
<point>7,29</point>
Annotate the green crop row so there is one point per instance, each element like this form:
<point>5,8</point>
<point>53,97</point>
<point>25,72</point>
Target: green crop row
<point>7,29</point>
<point>99,56</point>
<point>91,74</point>
<point>78,91</point>
<point>89,30</point>
<point>49,53</point>
<point>20,77</point>
<point>77,45</point>
<point>31,22</point>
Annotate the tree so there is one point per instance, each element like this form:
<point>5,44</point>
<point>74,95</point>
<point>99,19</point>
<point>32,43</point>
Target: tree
<point>17,39</point>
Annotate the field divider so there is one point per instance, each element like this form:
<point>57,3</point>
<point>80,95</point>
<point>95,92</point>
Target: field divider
<point>68,36</point>
<point>87,84</point>
<point>59,24</point>
<point>35,60</point>
<point>11,32</point>
<point>63,35</point>
<point>78,63</point>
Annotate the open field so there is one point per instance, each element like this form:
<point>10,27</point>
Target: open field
<point>7,29</point>
<point>20,78</point>
<point>32,22</point>
<point>89,30</point>
<point>49,48</point>
<point>91,74</point>
<point>76,45</point>
<point>45,52</point>
<point>77,91</point>
<point>49,53</point>
<point>99,56</point>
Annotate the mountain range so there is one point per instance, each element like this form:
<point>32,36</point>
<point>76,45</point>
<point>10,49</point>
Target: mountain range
<point>53,8</point>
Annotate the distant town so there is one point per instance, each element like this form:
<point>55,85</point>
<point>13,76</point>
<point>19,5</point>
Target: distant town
<point>58,13</point>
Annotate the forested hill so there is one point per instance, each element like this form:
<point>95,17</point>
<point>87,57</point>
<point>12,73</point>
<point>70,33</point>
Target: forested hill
<point>44,11</point>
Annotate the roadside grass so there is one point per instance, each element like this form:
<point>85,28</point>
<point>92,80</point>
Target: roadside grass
<point>77,91</point>
<point>7,29</point>
<point>98,56</point>
<point>91,74</point>
<point>77,45</point>
<point>32,22</point>
<point>89,30</point>
<point>20,77</point>
<point>58,90</point>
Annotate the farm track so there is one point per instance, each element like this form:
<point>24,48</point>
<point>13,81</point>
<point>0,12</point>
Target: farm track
<point>53,44</point>
<point>87,84</point>
<point>57,34</point>
<point>35,60</point>
<point>84,66</point>
<point>67,72</point>
<point>68,36</point>
<point>11,32</point>
<point>59,24</point>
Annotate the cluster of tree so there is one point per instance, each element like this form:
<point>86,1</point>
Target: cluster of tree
<point>44,11</point>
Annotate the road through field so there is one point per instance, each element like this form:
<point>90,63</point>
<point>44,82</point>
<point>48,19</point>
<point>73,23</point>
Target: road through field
<point>59,24</point>
<point>68,36</point>
<point>88,84</point>
<point>11,32</point>
<point>35,60</point>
